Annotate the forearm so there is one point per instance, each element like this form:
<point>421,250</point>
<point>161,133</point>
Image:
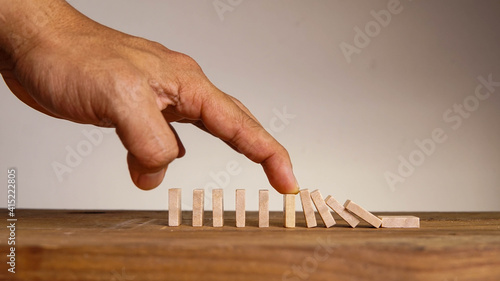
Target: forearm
<point>23,23</point>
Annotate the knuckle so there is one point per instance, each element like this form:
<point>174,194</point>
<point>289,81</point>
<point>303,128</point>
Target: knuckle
<point>186,62</point>
<point>156,46</point>
<point>178,58</point>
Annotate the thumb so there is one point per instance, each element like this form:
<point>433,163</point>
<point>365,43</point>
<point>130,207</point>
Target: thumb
<point>150,141</point>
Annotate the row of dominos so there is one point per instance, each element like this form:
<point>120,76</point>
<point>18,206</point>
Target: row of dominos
<point>350,211</point>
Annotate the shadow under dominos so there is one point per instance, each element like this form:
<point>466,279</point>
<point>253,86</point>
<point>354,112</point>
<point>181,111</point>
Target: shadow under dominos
<point>318,213</point>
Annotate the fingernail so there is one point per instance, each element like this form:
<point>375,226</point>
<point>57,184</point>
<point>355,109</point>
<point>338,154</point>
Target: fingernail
<point>152,180</point>
<point>297,187</point>
<point>293,188</point>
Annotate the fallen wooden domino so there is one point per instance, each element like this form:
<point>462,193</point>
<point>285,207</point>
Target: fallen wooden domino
<point>341,211</point>
<point>362,213</point>
<point>217,207</point>
<point>198,206</point>
<point>289,210</point>
<point>240,208</point>
<point>322,208</point>
<point>308,208</point>
<point>400,221</point>
<point>263,208</point>
<point>174,207</point>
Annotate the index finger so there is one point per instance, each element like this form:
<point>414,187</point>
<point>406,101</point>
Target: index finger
<point>226,120</point>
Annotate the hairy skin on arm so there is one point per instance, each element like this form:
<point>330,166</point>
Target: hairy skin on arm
<point>61,63</point>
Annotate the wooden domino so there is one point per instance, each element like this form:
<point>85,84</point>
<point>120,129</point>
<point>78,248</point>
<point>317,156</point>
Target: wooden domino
<point>240,208</point>
<point>341,211</point>
<point>362,213</point>
<point>308,208</point>
<point>322,208</point>
<point>174,207</point>
<point>289,210</point>
<point>263,208</point>
<point>350,211</point>
<point>198,207</point>
<point>218,207</point>
<point>400,221</point>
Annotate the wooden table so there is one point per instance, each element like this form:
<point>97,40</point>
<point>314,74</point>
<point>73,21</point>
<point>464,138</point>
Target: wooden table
<point>138,245</point>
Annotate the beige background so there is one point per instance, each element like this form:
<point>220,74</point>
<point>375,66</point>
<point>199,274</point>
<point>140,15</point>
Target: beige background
<point>351,121</point>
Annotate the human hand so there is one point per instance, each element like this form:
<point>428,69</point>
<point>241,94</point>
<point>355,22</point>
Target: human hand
<point>76,69</point>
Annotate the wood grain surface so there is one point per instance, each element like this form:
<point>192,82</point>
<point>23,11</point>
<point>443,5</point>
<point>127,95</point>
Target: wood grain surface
<point>138,245</point>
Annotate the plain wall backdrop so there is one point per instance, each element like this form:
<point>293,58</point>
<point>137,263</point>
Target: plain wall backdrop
<point>352,94</point>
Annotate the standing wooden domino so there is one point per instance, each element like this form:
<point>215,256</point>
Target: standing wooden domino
<point>289,210</point>
<point>263,208</point>
<point>322,208</point>
<point>400,221</point>
<point>240,208</point>
<point>362,213</point>
<point>343,213</point>
<point>218,207</point>
<point>307,207</point>
<point>174,207</point>
<point>198,206</point>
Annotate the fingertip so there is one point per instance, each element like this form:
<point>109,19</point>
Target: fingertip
<point>151,146</point>
<point>180,145</point>
<point>281,176</point>
<point>148,181</point>
<point>291,186</point>
<point>182,152</point>
<point>294,189</point>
